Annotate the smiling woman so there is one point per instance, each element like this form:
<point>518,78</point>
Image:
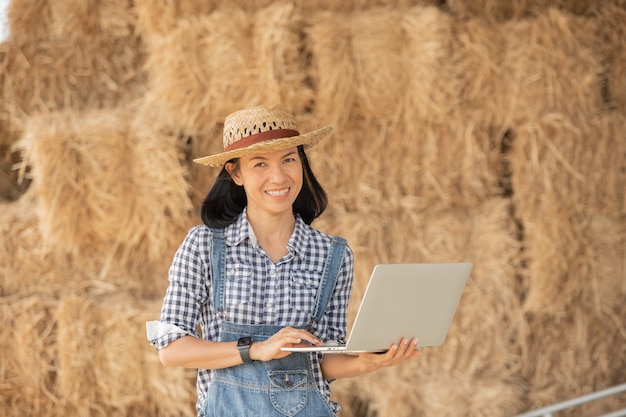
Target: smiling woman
<point>240,278</point>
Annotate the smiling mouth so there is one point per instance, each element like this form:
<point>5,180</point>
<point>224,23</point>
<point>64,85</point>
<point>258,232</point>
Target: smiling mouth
<point>277,193</point>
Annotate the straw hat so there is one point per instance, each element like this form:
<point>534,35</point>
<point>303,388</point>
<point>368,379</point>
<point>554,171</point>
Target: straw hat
<point>258,130</point>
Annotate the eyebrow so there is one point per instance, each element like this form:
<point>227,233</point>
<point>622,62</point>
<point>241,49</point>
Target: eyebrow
<point>261,157</point>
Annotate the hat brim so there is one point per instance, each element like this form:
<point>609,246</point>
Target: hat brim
<point>307,140</point>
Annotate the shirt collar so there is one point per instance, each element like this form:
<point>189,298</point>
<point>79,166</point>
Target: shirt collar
<point>240,230</point>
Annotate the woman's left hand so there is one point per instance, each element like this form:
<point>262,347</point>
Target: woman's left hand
<point>404,350</point>
<point>348,366</point>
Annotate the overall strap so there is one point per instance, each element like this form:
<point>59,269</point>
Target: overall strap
<point>329,277</point>
<point>218,265</point>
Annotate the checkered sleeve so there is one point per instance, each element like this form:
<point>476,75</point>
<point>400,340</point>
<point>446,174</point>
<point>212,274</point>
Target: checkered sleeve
<point>187,291</point>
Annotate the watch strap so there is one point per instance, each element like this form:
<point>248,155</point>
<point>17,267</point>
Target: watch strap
<point>244,350</point>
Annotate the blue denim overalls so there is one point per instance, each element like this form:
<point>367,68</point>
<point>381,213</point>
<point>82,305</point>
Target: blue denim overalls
<point>280,387</point>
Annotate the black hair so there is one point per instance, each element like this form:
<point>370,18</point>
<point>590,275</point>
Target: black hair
<point>226,200</point>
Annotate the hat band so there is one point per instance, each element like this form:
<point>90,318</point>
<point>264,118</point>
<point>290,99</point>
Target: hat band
<point>261,137</point>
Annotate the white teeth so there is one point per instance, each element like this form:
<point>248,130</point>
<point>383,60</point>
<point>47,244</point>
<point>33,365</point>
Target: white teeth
<point>278,193</point>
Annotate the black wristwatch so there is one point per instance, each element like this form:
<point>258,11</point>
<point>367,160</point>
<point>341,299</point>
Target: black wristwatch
<point>243,345</point>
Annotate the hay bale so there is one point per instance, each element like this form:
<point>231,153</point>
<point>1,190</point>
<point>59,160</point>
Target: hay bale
<point>280,53</point>
<point>381,64</point>
<point>476,60</point>
<point>349,163</point>
<point>377,44</point>
<point>576,255</point>
<point>28,363</point>
<point>108,193</point>
<point>154,389</point>
<point>160,191</point>
<point>569,195</point>
<point>77,368</point>
<point>61,74</point>
<point>435,392</point>
<point>157,19</point>
<point>553,249</point>
<point>93,20</point>
<point>209,67</point>
<point>432,89</point>
<point>574,354</point>
<point>105,364</point>
<point>579,162</point>
<point>454,163</point>
<point>70,54</point>
<point>333,66</point>
<point>30,265</point>
<point>79,204</point>
<point>34,21</point>
<point>26,266</point>
<point>550,65</point>
<point>83,355</point>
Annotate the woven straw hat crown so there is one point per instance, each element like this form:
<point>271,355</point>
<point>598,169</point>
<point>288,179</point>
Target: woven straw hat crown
<point>258,130</point>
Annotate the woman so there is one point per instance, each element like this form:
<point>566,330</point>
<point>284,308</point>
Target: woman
<point>257,277</point>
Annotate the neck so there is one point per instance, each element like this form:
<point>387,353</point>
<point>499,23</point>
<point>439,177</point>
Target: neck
<point>276,228</point>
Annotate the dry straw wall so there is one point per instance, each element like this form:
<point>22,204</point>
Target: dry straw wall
<point>490,131</point>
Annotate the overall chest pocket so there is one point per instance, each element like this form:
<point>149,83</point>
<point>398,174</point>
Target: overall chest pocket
<point>288,391</point>
<point>304,286</point>
<point>238,284</point>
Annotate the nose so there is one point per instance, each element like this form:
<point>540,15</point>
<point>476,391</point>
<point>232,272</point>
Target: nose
<point>277,173</point>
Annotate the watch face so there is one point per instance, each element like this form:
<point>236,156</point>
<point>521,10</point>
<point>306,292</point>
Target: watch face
<point>244,341</point>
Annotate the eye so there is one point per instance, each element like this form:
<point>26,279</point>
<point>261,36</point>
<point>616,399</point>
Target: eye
<point>259,165</point>
<point>288,160</point>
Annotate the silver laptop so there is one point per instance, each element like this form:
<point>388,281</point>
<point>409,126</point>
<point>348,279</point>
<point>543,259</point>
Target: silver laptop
<point>403,301</point>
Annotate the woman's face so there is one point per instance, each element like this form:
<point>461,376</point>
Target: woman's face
<point>272,181</point>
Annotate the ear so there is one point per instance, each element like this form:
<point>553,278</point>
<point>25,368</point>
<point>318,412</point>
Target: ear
<point>233,171</point>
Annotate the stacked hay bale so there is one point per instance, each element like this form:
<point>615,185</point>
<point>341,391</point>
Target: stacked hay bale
<point>460,134</point>
<point>567,163</point>
<point>82,246</point>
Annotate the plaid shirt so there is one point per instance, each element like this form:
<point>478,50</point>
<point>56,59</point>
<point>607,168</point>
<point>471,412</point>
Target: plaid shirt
<point>257,291</point>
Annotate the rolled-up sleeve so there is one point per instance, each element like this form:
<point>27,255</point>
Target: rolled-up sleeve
<point>187,291</point>
<point>161,334</point>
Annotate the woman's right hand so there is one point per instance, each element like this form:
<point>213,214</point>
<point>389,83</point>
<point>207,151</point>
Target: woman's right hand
<point>286,337</point>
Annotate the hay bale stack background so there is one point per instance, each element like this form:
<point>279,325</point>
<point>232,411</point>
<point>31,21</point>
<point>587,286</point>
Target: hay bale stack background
<point>120,197</point>
<point>487,131</point>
